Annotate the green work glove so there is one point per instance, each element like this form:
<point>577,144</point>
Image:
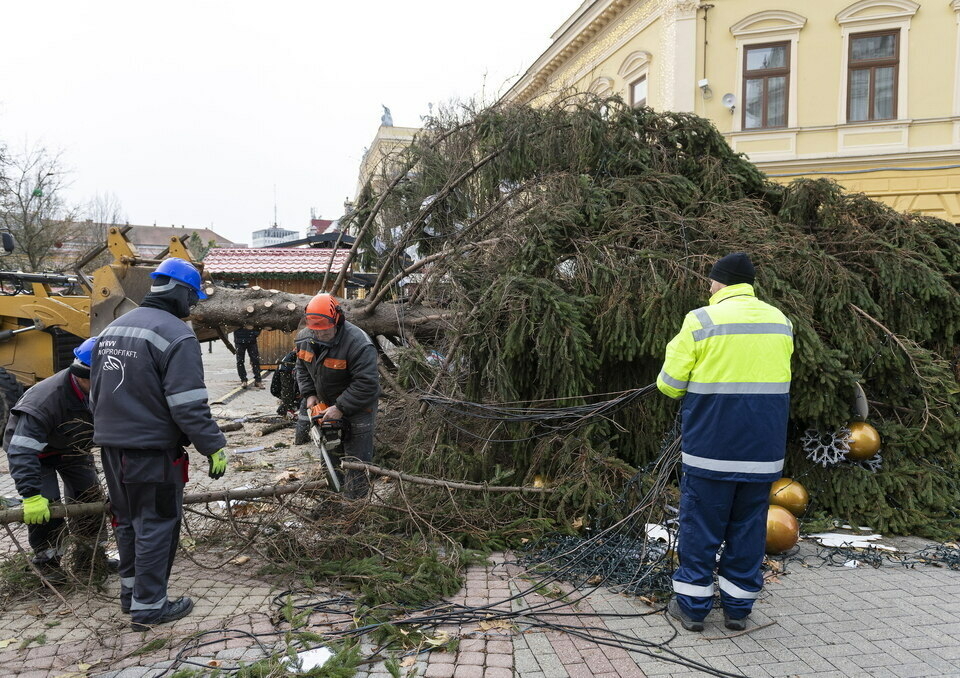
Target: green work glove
<point>218,464</point>
<point>36,510</point>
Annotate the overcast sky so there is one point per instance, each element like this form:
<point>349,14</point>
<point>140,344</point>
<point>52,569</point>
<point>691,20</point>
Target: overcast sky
<point>190,112</point>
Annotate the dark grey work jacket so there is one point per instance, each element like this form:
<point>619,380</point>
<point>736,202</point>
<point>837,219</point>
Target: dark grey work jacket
<point>245,336</point>
<point>51,418</point>
<point>345,374</point>
<point>147,385</point>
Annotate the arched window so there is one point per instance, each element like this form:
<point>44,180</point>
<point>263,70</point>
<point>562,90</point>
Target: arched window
<point>635,72</point>
<point>601,87</point>
<point>766,66</point>
<point>874,59</point>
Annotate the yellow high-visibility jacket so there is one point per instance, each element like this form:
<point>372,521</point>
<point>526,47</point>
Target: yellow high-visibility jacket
<point>731,364</point>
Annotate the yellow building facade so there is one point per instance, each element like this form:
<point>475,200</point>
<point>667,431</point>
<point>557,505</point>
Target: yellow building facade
<point>865,92</point>
<point>380,159</point>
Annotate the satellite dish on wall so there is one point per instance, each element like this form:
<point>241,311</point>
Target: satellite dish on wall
<point>729,100</point>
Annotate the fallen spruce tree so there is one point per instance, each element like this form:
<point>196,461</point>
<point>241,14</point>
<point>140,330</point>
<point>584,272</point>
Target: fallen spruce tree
<point>555,251</point>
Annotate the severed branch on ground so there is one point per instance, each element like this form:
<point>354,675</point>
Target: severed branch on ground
<point>96,508</point>
<point>417,480</point>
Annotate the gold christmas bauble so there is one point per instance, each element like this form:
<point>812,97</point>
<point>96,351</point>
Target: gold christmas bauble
<point>864,441</point>
<point>783,530</point>
<point>791,495</point>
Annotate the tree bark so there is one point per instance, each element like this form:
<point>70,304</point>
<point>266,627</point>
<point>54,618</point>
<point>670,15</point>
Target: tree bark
<point>97,508</point>
<point>276,310</point>
<point>417,480</point>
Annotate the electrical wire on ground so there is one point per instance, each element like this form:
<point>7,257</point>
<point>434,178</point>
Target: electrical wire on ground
<point>550,420</point>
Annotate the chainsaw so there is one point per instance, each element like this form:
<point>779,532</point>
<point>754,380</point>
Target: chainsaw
<point>328,437</point>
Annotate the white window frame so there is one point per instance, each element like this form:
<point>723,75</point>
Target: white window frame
<point>646,99</point>
<point>634,67</point>
<point>867,16</point>
<point>755,30</point>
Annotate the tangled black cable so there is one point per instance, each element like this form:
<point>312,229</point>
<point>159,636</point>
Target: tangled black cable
<point>551,420</point>
<point>585,562</point>
<point>619,555</point>
<point>938,555</point>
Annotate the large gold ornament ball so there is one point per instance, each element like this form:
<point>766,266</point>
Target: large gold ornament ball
<point>864,441</point>
<point>791,495</point>
<point>783,530</point>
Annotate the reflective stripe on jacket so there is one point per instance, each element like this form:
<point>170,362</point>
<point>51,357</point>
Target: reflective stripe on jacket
<point>342,374</point>
<point>147,387</point>
<point>51,418</point>
<point>731,361</point>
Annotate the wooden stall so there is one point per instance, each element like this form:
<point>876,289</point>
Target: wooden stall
<point>288,269</point>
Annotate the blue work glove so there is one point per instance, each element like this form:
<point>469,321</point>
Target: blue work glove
<point>218,464</point>
<point>36,510</point>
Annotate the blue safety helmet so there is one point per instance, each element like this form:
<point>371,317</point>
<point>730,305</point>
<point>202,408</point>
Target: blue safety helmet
<point>182,271</point>
<point>84,352</point>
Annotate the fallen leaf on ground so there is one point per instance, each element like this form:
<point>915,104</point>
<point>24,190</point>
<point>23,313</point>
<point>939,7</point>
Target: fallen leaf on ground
<point>215,663</point>
<point>501,624</point>
<point>241,560</point>
<point>7,641</point>
<point>408,661</point>
<point>34,611</point>
<point>442,638</point>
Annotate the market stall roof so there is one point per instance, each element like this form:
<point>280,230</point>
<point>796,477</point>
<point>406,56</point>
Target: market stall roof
<point>288,262</point>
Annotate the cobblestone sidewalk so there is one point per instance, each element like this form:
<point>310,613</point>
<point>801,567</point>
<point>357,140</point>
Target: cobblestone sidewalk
<point>812,621</point>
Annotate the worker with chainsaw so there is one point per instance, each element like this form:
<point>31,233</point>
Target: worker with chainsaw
<point>49,433</point>
<point>149,401</point>
<point>730,363</point>
<point>337,375</point>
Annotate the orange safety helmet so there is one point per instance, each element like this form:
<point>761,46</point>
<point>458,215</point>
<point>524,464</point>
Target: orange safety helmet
<point>323,312</point>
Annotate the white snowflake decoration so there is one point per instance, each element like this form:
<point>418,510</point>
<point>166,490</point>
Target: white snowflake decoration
<point>872,464</point>
<point>827,449</point>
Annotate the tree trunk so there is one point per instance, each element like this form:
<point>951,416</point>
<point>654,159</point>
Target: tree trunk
<point>273,309</point>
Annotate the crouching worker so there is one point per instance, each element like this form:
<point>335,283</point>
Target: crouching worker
<point>149,400</point>
<point>50,433</point>
<point>337,368</point>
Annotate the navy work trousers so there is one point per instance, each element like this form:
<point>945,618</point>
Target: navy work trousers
<point>146,499</point>
<point>715,512</point>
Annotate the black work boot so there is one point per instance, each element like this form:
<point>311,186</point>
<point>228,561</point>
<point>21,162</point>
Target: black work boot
<point>172,611</point>
<point>734,624</point>
<point>690,624</point>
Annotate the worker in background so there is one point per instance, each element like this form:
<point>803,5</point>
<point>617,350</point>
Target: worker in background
<point>245,341</point>
<point>149,401</point>
<point>731,365</point>
<point>49,433</point>
<point>337,370</point>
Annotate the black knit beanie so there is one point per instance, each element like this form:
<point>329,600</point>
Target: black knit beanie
<point>79,370</point>
<point>733,269</point>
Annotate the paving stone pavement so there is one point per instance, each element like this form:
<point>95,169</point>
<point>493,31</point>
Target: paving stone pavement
<point>814,622</point>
